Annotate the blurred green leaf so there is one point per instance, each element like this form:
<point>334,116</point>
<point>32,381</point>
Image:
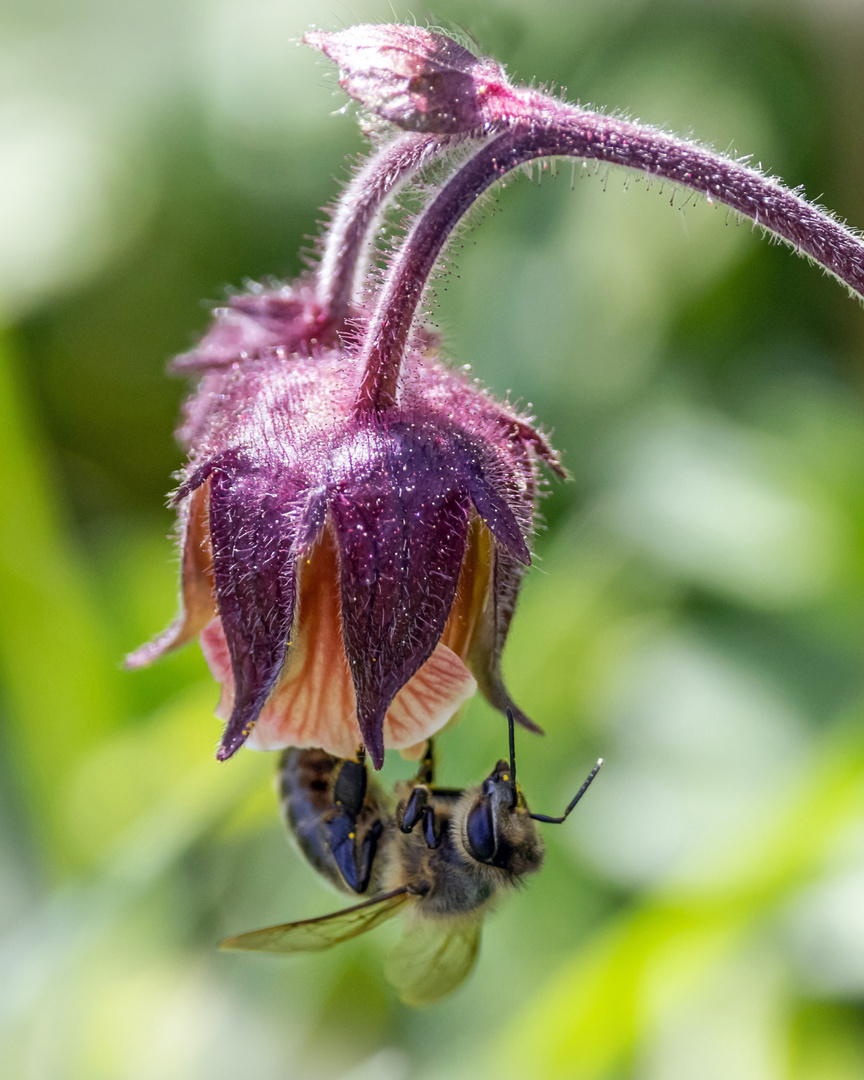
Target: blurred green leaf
<point>59,673</point>
<point>600,1004</point>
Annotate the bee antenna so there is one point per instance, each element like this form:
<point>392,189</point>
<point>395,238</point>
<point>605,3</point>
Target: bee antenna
<point>511,731</point>
<point>573,801</point>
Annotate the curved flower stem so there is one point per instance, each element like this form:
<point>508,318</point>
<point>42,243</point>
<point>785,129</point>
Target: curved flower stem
<point>559,130</point>
<point>345,241</point>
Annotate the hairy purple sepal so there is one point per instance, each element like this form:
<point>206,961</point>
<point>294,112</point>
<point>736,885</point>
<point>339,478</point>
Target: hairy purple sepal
<point>488,489</point>
<point>254,525</point>
<point>413,78</point>
<point>401,521</point>
<point>488,644</point>
<point>287,320</point>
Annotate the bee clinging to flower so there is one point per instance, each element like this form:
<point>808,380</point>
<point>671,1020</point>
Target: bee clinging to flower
<point>441,856</point>
<point>356,518</point>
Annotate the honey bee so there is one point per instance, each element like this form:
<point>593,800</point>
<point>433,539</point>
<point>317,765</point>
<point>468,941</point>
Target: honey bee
<point>439,855</point>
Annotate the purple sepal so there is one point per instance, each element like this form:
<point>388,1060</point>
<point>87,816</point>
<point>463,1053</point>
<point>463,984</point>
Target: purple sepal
<point>498,517</point>
<point>253,324</point>
<point>484,659</point>
<point>253,526</point>
<point>196,478</point>
<point>401,522</point>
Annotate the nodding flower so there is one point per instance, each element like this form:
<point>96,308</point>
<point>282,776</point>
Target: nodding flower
<point>352,580</point>
<point>355,517</point>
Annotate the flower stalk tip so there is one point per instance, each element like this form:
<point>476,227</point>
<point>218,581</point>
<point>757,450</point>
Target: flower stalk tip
<point>411,77</point>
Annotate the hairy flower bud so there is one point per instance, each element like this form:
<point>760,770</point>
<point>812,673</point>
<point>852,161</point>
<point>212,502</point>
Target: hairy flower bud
<point>287,319</point>
<point>416,79</point>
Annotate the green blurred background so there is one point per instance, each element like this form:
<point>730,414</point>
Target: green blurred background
<point>696,614</point>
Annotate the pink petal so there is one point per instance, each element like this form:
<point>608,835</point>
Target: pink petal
<point>428,700</point>
<point>314,704</point>
<point>197,605</point>
<point>214,645</point>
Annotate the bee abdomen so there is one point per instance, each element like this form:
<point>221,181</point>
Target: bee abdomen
<point>305,791</point>
<point>324,797</point>
<point>304,782</point>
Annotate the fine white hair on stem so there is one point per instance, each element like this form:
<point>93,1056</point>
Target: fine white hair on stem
<point>557,130</point>
<point>346,240</point>
<point>426,82</point>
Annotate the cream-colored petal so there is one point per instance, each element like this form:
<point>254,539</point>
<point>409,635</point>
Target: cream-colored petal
<point>313,704</point>
<point>318,707</point>
<point>197,603</point>
<point>428,700</point>
<point>214,645</point>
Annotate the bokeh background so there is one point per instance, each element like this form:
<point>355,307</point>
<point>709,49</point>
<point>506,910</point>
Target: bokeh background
<point>696,615</point>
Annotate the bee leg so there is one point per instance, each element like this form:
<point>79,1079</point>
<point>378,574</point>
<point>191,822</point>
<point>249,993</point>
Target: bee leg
<point>349,788</point>
<point>426,771</point>
<point>340,839</point>
<point>368,849</point>
<point>349,794</point>
<point>426,775</point>
<point>355,861</point>
<point>430,833</point>
<point>415,808</point>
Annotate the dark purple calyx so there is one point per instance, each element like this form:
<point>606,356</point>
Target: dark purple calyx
<point>398,497</point>
<point>255,517</point>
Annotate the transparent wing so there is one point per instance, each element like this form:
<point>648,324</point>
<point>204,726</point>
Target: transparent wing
<point>433,958</point>
<point>313,935</point>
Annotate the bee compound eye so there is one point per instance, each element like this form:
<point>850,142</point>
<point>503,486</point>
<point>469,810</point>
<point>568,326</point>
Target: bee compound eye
<point>480,832</point>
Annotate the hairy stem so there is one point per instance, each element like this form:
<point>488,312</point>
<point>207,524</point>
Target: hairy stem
<point>559,130</point>
<point>345,242</point>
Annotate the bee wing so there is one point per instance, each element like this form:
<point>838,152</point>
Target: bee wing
<point>433,958</point>
<point>313,935</point>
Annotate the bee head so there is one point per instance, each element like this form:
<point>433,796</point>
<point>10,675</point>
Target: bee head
<point>495,826</point>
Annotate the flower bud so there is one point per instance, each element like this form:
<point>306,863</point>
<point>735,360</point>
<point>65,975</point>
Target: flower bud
<point>413,78</point>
